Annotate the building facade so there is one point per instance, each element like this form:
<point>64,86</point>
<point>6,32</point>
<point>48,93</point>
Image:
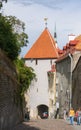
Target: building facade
<point>76,89</point>
<point>65,75</point>
<point>63,84</point>
<point>52,91</point>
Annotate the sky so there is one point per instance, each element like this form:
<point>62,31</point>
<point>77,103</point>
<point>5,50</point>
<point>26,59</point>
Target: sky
<point>65,14</point>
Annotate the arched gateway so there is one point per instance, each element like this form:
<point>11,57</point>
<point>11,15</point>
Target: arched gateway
<point>41,110</point>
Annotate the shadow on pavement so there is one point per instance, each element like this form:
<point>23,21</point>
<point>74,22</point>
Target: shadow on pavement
<point>25,126</point>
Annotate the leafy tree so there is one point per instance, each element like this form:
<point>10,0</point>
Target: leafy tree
<point>25,75</point>
<point>18,28</point>
<point>8,41</point>
<point>1,3</point>
<point>12,36</point>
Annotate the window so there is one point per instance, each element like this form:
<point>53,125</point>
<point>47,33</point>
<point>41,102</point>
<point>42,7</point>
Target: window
<point>36,61</point>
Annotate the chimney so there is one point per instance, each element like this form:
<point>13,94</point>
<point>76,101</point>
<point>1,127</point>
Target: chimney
<point>71,37</point>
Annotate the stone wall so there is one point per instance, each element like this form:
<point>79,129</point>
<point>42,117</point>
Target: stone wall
<point>10,110</point>
<point>63,85</point>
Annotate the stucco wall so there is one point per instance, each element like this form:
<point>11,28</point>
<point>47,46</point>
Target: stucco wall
<point>10,112</point>
<point>39,91</point>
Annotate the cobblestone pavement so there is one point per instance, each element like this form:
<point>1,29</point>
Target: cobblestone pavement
<point>47,124</point>
<point>76,127</point>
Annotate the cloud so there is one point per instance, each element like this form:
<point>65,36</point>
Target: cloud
<point>55,4</point>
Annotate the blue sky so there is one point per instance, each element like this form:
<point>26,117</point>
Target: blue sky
<point>65,13</point>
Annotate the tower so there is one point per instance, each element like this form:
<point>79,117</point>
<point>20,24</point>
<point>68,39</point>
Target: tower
<point>40,57</point>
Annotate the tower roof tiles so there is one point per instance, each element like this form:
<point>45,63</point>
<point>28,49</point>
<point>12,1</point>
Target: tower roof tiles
<point>43,48</point>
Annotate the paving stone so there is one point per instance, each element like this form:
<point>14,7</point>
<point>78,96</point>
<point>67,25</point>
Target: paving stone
<point>46,124</point>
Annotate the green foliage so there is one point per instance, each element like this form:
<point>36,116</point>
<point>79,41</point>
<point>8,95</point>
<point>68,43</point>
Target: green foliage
<point>12,36</point>
<point>25,75</point>
<point>1,3</point>
<point>18,28</point>
<point>8,41</point>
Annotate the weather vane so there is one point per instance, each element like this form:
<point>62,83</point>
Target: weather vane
<point>45,19</point>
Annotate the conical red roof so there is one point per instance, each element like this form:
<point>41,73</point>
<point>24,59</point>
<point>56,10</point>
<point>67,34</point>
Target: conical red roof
<point>43,48</point>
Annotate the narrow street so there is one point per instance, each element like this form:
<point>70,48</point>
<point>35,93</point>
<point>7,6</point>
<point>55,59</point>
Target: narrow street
<point>47,124</point>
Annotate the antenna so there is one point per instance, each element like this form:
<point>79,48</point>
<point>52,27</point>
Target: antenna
<point>45,19</point>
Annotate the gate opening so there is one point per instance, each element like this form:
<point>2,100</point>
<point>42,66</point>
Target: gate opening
<point>42,111</point>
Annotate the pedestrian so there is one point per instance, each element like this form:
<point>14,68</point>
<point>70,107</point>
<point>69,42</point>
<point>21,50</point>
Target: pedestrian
<point>57,110</point>
<point>78,113</point>
<point>64,114</point>
<point>71,115</point>
<point>27,117</point>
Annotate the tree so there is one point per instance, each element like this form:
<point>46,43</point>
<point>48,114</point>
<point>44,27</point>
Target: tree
<point>8,41</point>
<point>18,28</point>
<point>12,36</point>
<point>25,75</point>
<point>1,3</point>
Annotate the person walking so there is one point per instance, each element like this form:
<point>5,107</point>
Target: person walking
<point>71,115</point>
<point>64,114</point>
<point>57,110</point>
<point>78,116</point>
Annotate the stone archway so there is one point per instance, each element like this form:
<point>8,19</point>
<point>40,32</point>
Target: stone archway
<point>41,109</point>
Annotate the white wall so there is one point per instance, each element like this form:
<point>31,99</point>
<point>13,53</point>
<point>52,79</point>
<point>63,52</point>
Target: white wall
<point>38,93</point>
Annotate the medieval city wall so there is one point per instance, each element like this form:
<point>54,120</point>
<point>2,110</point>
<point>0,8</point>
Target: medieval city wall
<point>10,111</point>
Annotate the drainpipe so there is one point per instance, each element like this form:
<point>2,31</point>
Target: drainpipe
<point>70,86</point>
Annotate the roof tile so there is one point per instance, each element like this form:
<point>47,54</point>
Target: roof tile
<point>44,47</point>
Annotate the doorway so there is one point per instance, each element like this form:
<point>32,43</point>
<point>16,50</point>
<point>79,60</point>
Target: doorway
<point>41,110</point>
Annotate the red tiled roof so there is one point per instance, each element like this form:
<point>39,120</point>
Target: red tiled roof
<point>60,52</point>
<point>73,42</point>
<point>73,45</point>
<point>78,45</point>
<point>67,45</point>
<point>64,47</point>
<point>78,38</point>
<point>44,47</point>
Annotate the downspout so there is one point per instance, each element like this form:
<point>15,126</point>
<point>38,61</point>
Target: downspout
<point>70,86</point>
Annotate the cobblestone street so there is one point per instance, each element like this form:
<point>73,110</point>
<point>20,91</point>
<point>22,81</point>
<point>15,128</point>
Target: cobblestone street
<point>47,124</point>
